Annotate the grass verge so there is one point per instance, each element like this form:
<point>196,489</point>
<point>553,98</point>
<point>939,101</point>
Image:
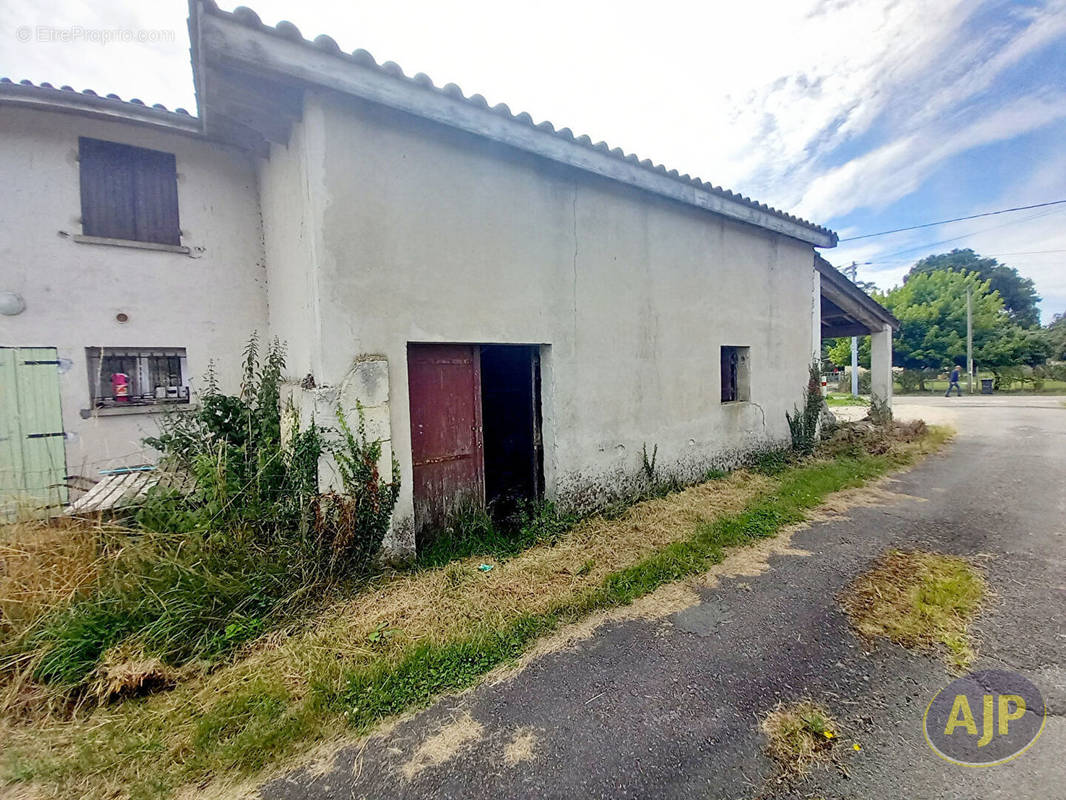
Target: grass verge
<point>919,599</point>
<point>409,637</point>
<point>841,399</point>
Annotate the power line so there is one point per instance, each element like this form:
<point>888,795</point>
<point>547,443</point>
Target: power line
<point>971,233</point>
<point>956,219</point>
<point>983,255</point>
<point>1027,253</point>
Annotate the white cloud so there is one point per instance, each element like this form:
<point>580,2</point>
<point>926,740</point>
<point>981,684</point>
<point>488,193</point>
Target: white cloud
<point>881,177</point>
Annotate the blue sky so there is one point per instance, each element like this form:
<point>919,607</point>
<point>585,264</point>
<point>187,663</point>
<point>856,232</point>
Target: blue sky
<point>863,115</point>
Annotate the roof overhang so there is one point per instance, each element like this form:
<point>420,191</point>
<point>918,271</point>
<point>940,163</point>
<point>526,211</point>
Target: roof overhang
<point>846,309</point>
<point>250,79</point>
<point>45,97</point>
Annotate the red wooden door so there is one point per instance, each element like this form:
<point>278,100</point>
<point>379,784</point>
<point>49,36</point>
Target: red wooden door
<point>446,443</point>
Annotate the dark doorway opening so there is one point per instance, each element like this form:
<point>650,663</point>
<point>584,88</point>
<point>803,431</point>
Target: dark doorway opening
<point>510,401</point>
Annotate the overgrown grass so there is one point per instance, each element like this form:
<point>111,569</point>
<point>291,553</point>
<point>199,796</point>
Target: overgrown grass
<point>410,637</point>
<point>472,531</point>
<point>919,599</point>
<point>204,572</point>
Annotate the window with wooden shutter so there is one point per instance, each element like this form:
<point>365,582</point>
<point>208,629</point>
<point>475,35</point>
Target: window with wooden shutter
<point>128,192</point>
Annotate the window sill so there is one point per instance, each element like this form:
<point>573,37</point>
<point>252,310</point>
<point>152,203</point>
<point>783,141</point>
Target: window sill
<point>167,248</point>
<point>155,408</point>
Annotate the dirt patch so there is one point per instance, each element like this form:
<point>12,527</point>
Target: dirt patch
<point>921,600</point>
<point>521,748</point>
<point>444,745</point>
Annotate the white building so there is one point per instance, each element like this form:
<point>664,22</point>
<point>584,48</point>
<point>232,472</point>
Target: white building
<point>519,310</point>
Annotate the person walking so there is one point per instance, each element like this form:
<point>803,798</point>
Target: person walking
<point>954,383</point>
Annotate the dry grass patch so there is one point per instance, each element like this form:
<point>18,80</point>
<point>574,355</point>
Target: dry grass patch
<point>919,599</point>
<point>438,605</point>
<point>444,745</point>
<point>799,735</point>
<point>521,748</point>
<point>43,566</point>
<point>127,672</point>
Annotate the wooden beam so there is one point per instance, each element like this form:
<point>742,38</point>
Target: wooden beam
<point>273,127</point>
<point>242,136</point>
<point>835,331</point>
<point>850,306</point>
<point>255,92</point>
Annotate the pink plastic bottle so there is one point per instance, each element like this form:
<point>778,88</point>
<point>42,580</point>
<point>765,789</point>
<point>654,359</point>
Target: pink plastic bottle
<point>120,387</point>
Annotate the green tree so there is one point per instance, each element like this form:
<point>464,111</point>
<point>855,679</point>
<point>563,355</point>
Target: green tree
<point>839,351</point>
<point>931,308</point>
<point>1055,333</point>
<point>1012,348</point>
<point>1019,294</point>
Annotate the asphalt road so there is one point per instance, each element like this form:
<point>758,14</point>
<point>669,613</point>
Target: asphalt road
<point>668,707</point>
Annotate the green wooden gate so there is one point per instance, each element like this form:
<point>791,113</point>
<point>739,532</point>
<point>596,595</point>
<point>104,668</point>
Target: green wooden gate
<point>33,463</point>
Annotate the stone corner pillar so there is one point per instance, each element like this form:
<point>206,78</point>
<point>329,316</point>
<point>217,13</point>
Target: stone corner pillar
<point>881,364</point>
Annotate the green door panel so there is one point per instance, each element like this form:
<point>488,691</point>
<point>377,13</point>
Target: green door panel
<point>33,463</point>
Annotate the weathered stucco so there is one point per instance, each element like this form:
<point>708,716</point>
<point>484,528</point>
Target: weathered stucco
<point>427,234</point>
<point>371,229</point>
<point>207,302</point>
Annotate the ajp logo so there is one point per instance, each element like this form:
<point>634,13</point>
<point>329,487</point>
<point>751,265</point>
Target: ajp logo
<point>984,718</point>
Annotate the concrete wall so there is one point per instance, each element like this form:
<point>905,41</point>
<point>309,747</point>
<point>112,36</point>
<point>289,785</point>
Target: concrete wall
<point>429,234</point>
<point>207,302</point>
<point>291,241</point>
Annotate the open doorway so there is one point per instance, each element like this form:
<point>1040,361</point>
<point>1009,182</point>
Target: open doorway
<point>510,403</point>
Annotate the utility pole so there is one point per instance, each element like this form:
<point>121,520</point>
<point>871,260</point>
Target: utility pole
<point>854,271</point>
<point>969,340</point>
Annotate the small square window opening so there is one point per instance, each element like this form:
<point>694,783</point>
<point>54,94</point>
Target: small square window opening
<point>736,374</point>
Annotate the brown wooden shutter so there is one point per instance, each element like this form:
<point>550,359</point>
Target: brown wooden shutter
<point>128,192</point>
<point>155,191</point>
<point>106,190</point>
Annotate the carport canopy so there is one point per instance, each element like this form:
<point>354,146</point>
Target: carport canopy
<point>846,310</point>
